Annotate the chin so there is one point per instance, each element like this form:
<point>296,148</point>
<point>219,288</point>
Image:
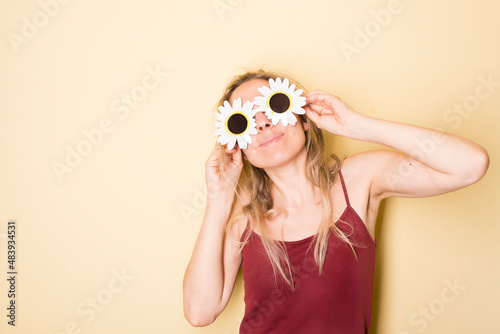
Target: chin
<point>275,159</point>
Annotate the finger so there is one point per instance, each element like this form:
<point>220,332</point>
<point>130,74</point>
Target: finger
<point>319,93</point>
<point>229,154</point>
<point>313,95</point>
<point>233,154</point>
<point>322,98</point>
<point>321,109</point>
<point>319,99</point>
<point>310,95</point>
<point>237,157</point>
<point>215,150</point>
<point>315,92</point>
<point>230,151</point>
<point>213,158</point>
<point>313,115</point>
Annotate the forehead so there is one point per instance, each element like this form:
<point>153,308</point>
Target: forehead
<point>248,90</point>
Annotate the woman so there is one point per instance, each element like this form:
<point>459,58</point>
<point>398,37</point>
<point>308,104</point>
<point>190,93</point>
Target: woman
<point>302,223</point>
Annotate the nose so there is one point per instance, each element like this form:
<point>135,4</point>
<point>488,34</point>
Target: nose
<point>262,121</point>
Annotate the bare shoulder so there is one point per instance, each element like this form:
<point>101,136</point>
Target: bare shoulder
<point>374,158</point>
<point>364,166</point>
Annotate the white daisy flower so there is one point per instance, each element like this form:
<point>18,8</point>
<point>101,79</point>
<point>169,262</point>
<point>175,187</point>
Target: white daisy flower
<point>280,102</point>
<point>235,124</point>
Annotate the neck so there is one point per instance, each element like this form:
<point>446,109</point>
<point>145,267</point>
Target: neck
<point>291,188</point>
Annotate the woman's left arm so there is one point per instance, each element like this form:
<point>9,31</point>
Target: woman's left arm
<point>428,163</point>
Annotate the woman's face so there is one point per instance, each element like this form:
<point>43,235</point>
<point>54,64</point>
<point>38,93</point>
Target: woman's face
<point>274,145</point>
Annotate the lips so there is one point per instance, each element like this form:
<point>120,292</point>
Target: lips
<point>272,139</point>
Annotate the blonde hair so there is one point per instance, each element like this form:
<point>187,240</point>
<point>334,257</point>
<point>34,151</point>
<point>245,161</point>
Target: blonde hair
<point>257,183</point>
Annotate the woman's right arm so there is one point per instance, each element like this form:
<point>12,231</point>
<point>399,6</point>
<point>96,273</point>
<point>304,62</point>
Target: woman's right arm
<point>215,262</point>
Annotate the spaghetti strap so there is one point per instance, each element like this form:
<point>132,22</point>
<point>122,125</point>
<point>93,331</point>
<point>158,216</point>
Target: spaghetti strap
<point>246,231</point>
<point>344,188</point>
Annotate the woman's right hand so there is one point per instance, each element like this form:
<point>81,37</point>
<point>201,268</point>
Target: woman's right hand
<point>213,268</point>
<point>219,182</point>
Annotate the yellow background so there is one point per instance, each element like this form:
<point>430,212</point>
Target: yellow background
<point>134,203</point>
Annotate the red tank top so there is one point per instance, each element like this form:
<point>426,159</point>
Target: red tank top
<point>337,301</point>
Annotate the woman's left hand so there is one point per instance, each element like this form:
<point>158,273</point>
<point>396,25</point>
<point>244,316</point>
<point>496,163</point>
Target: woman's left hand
<point>428,162</point>
<point>329,112</point>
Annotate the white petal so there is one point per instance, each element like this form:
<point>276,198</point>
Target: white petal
<point>248,138</point>
<point>218,132</point>
<point>242,143</point>
<point>264,90</point>
<point>269,113</point>
<point>252,126</point>
<point>231,141</point>
<point>248,105</point>
<point>237,104</point>
<point>300,101</point>
<point>260,100</point>
<point>272,84</point>
<point>299,111</point>
<point>292,119</point>
<point>222,139</point>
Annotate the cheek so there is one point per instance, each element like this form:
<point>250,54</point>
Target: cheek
<point>258,158</point>
<point>297,136</point>
<point>250,155</point>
